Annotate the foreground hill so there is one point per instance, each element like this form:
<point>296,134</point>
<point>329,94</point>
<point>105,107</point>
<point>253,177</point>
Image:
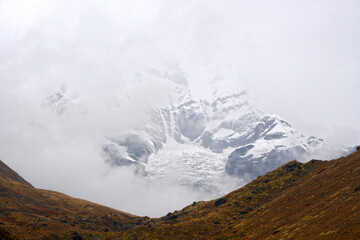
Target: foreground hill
<point>30,213</point>
<point>315,200</point>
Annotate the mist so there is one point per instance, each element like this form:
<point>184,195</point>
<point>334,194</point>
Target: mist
<point>300,60</point>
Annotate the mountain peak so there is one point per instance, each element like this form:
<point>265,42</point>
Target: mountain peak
<point>206,138</point>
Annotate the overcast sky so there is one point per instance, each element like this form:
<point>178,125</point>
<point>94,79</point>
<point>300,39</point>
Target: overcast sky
<point>299,59</point>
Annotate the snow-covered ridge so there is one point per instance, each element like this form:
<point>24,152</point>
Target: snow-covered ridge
<point>196,141</point>
<point>199,141</point>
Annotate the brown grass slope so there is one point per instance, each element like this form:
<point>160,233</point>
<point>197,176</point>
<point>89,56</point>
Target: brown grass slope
<point>30,213</point>
<point>9,174</point>
<point>316,200</point>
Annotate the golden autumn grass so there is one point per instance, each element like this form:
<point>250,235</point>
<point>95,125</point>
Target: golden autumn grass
<point>316,200</point>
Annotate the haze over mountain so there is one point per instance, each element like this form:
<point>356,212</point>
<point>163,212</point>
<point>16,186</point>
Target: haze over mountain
<point>78,76</point>
<point>196,142</point>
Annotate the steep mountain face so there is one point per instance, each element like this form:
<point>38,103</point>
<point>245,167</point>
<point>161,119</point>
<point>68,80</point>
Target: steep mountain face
<point>197,141</point>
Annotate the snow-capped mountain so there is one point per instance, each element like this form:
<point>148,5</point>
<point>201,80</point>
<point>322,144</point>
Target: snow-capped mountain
<point>197,141</point>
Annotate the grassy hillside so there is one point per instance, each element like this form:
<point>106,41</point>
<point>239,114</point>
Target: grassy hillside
<point>30,213</point>
<point>316,200</point>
